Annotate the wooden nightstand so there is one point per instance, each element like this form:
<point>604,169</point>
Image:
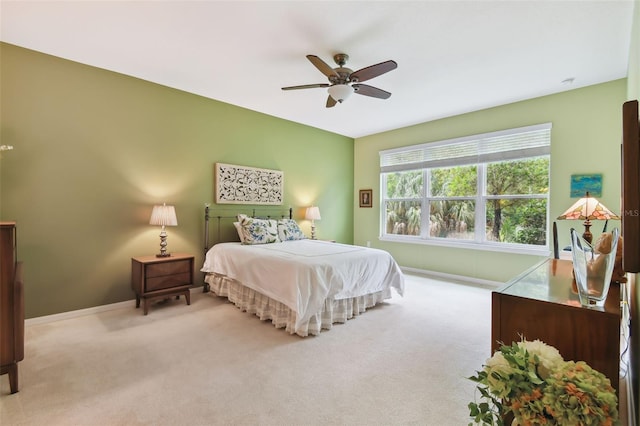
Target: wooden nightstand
<point>155,277</point>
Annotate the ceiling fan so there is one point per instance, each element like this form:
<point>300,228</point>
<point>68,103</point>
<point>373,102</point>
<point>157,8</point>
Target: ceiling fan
<point>343,81</point>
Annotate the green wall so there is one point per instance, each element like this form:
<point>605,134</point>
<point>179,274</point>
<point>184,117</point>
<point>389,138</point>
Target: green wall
<point>633,75</point>
<point>94,150</point>
<point>585,138</point>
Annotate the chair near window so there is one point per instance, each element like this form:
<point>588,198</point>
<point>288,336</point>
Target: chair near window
<point>556,252</point>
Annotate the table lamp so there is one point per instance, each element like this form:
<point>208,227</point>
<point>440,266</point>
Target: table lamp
<point>312,214</point>
<point>588,209</point>
<point>164,216</point>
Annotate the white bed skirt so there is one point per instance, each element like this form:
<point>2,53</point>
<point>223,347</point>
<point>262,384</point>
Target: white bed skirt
<point>265,308</point>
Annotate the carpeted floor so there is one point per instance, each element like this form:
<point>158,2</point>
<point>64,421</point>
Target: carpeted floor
<point>402,363</point>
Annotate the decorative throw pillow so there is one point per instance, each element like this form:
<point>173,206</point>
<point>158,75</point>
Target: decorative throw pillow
<point>239,231</point>
<point>258,231</point>
<point>288,230</point>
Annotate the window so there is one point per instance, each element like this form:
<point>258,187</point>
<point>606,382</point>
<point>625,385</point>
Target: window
<point>489,190</point>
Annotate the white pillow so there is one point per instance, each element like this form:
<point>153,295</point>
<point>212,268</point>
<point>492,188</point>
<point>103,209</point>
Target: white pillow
<point>258,231</point>
<point>239,231</point>
<point>288,230</point>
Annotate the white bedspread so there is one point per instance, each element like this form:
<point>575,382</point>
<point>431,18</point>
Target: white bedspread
<point>302,274</point>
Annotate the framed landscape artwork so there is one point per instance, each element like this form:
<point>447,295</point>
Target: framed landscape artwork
<point>581,184</point>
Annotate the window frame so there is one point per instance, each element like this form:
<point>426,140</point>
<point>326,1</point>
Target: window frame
<point>416,158</point>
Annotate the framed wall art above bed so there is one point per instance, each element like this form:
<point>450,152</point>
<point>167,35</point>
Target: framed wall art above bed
<point>248,185</point>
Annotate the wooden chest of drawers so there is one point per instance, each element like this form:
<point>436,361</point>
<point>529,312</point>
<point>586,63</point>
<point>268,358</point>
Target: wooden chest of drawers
<point>540,304</point>
<point>161,277</point>
<point>11,305</point>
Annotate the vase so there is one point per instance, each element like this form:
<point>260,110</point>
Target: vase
<point>593,266</point>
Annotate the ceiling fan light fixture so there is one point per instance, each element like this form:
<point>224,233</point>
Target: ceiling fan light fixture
<point>343,81</point>
<point>340,92</point>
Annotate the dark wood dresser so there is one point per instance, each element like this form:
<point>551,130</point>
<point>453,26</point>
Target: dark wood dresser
<point>11,305</point>
<point>541,304</point>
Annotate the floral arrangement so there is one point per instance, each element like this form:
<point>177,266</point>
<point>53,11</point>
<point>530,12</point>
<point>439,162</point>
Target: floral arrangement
<point>531,381</point>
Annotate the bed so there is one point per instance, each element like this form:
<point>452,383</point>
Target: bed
<point>301,285</point>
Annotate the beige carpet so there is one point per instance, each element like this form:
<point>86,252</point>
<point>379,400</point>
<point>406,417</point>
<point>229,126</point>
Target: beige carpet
<point>402,363</point>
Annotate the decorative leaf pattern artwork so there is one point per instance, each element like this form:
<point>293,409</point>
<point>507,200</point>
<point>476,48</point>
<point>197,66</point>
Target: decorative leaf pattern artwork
<point>248,185</point>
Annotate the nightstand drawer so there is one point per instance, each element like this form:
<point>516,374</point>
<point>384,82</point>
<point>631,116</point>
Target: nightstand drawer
<point>168,281</point>
<point>155,277</point>
<point>168,268</point>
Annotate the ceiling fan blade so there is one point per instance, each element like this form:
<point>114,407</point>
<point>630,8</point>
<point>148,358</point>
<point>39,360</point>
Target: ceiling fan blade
<point>374,92</point>
<point>331,102</point>
<point>368,73</point>
<point>322,66</point>
<point>306,86</point>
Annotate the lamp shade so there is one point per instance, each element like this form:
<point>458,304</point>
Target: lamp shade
<point>588,208</point>
<point>313,213</point>
<point>164,216</point>
<point>340,92</point>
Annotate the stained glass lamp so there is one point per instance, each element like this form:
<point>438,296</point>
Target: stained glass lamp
<point>588,209</point>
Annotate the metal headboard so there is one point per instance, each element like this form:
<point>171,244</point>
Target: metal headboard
<point>266,213</point>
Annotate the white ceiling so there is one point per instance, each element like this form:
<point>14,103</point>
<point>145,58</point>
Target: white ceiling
<point>453,56</point>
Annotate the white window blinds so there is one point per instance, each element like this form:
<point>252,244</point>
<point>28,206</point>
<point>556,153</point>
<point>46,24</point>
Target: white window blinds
<point>511,144</point>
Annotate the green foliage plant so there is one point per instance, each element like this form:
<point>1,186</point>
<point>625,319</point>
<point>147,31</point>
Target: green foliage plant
<point>530,381</point>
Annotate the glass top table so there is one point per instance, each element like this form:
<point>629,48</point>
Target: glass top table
<point>551,280</point>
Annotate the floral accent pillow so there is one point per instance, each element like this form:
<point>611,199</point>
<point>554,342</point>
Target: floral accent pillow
<point>288,230</point>
<point>258,231</point>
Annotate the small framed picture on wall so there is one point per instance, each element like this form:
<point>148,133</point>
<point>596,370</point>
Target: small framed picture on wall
<point>366,196</point>
<point>581,184</point>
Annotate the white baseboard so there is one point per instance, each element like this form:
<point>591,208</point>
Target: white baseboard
<point>452,277</point>
<point>87,311</point>
<point>104,308</point>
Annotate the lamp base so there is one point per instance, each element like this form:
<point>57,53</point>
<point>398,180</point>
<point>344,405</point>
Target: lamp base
<point>163,244</point>
<point>587,235</point>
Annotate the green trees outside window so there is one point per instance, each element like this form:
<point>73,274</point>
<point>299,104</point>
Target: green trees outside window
<point>497,202</point>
